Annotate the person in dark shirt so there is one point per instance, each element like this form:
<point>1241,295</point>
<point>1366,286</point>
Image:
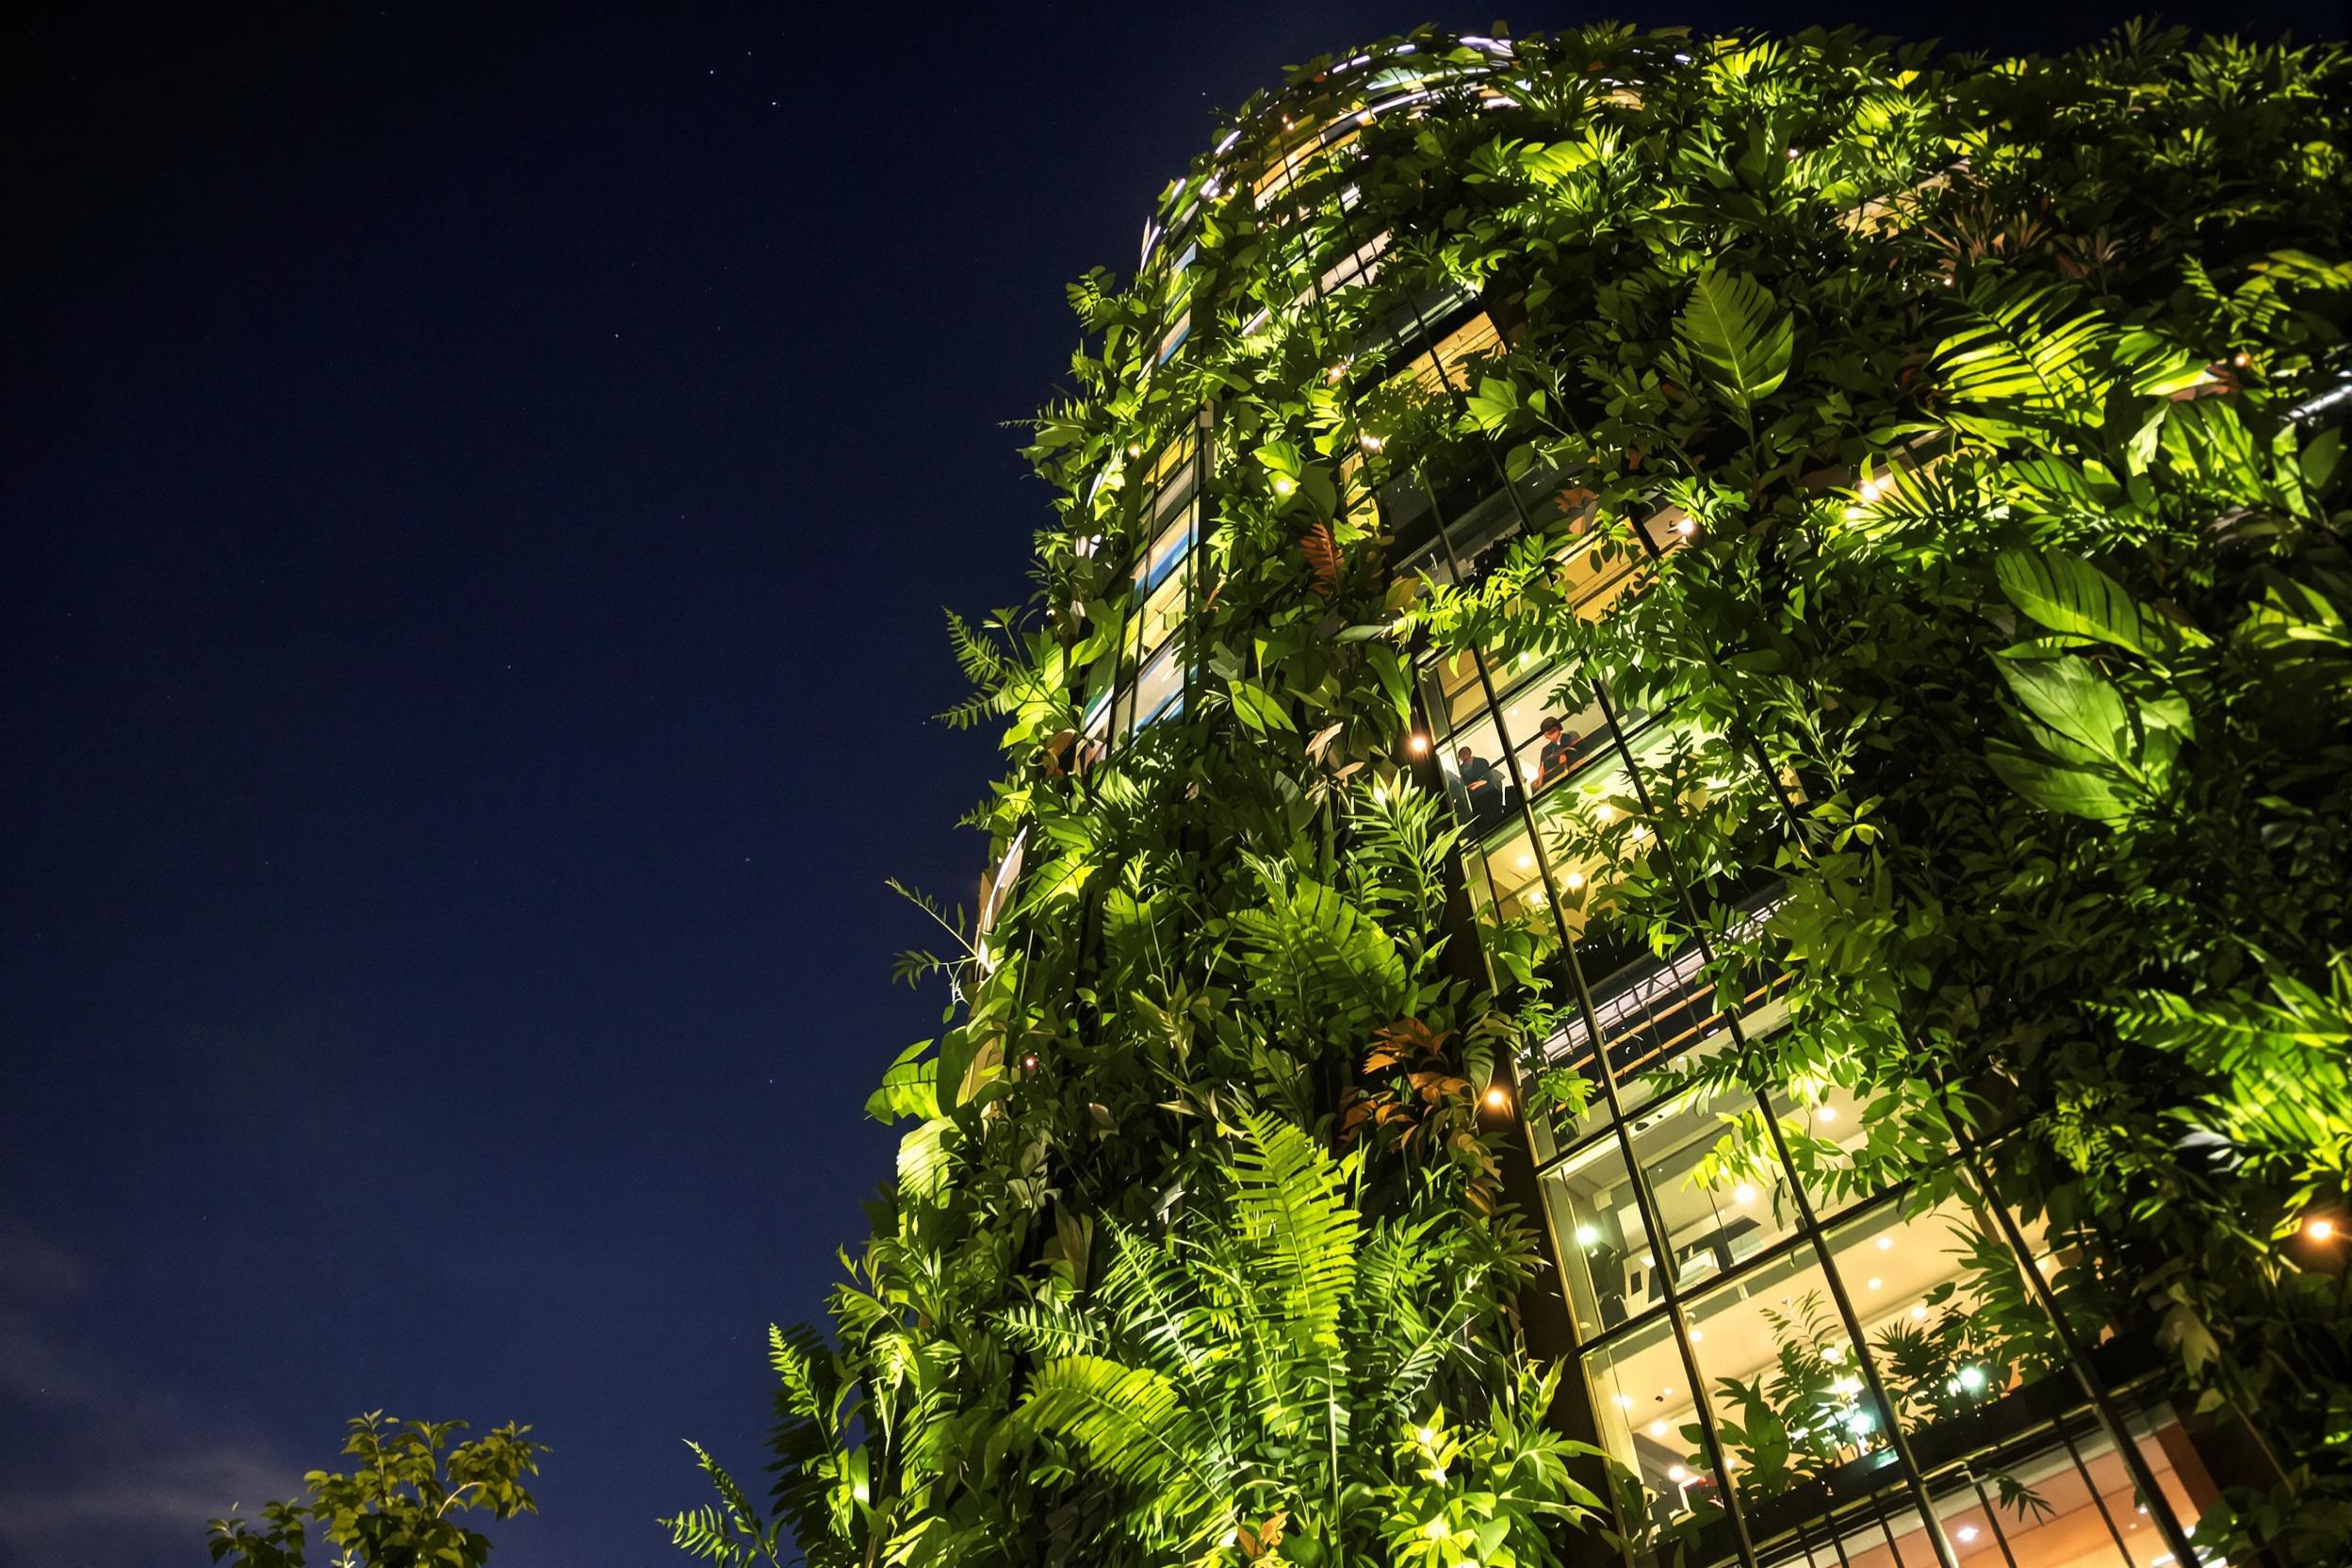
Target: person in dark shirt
<point>1560,748</point>
<point>1481,787</point>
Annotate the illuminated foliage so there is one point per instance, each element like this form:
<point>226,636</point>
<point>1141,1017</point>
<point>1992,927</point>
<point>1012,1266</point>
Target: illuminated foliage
<point>2009,634</point>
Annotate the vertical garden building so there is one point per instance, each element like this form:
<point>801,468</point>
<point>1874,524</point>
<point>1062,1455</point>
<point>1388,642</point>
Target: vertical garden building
<point>1671,879</point>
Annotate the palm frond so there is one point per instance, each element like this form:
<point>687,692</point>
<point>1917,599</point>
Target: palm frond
<point>2021,359</point>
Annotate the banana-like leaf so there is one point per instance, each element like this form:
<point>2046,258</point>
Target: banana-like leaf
<point>1742,340</point>
<point>2068,593</point>
<point>2057,787</point>
<point>2077,703</point>
<point>923,1158</point>
<point>909,1088</point>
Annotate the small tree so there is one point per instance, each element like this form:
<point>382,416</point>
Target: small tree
<point>394,1511</point>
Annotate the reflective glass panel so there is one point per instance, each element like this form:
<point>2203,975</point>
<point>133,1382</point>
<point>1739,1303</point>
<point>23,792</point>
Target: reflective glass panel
<point>1792,1400</point>
<point>1601,1234</point>
<point>1719,1207</point>
<point>1645,1413</point>
<point>1160,690</point>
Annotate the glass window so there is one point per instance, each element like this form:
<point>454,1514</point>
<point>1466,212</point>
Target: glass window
<point>1445,366</point>
<point>1555,721</point>
<point>1094,735</point>
<point>1163,584</point>
<point>1602,1239</point>
<point>1647,1416</point>
<point>1170,547</point>
<point>1162,612</point>
<point>1505,890</point>
<point>1656,1018</point>
<point>1160,690</point>
<point>1790,1397</point>
<point>1175,339</point>
<point>1591,830</point>
<point>1172,459</point>
<point>1358,266</point>
<point>1450,687</point>
<point>1596,574</point>
<point>1717,1213</point>
<point>1483,797</point>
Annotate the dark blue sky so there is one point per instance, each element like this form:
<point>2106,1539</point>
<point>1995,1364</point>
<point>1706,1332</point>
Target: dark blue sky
<point>480,487</point>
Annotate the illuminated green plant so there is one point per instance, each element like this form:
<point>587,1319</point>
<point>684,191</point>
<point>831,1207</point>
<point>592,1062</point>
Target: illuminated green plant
<point>2005,640</point>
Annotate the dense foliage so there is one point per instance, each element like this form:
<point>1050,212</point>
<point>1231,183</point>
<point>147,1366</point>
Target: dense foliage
<point>399,1508</point>
<point>2013,638</point>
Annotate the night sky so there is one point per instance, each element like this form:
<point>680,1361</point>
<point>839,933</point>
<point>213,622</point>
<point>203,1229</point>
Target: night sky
<point>480,485</point>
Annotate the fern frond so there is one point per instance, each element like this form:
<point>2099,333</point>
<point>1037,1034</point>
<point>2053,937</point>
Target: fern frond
<point>2020,356</point>
<point>1132,1425</point>
<point>1050,1329</point>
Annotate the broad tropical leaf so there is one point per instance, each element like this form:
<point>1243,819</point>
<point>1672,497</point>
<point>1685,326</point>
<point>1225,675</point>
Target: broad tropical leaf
<point>1742,339</point>
<point>2079,706</point>
<point>2069,594</point>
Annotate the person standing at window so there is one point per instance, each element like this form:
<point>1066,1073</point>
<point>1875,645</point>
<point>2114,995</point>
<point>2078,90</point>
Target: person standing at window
<point>1559,749</point>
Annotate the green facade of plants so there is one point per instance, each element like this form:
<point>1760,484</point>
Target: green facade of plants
<point>2001,653</point>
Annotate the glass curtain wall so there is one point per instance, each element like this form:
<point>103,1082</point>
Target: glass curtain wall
<point>1151,675</point>
<point>1841,1373</point>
